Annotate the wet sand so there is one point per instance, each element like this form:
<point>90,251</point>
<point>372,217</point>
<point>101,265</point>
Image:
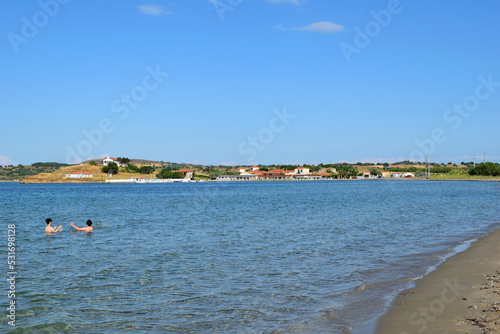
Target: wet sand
<point>461,296</point>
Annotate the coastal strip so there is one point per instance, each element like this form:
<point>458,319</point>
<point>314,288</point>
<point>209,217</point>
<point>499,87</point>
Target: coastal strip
<point>461,296</point>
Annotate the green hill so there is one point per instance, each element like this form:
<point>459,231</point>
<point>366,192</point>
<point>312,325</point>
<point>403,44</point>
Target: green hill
<point>20,172</point>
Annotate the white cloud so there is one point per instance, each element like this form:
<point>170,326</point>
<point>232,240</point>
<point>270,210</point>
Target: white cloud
<point>324,27</point>
<point>5,160</point>
<point>155,10</point>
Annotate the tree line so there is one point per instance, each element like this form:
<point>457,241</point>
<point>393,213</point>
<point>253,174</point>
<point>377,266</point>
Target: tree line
<point>486,169</point>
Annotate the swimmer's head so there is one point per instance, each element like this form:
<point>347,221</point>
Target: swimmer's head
<point>89,222</point>
<point>48,220</point>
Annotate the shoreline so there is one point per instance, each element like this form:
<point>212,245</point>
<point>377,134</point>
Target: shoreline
<point>459,296</point>
<point>353,180</point>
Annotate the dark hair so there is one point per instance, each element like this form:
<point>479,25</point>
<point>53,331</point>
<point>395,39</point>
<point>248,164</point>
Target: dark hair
<point>48,220</point>
<point>89,222</point>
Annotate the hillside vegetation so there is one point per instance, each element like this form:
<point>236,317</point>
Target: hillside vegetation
<point>20,172</point>
<point>52,172</point>
<point>58,176</point>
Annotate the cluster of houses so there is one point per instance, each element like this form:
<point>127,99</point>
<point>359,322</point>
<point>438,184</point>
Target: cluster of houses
<point>300,173</point>
<point>254,173</point>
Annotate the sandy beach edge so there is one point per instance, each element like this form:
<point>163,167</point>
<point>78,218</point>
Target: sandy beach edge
<point>461,296</point>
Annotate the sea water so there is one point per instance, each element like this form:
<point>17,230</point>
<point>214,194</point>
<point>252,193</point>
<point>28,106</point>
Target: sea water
<point>235,257</point>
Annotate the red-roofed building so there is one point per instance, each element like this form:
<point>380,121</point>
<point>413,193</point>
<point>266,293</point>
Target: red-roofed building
<point>271,175</point>
<point>276,171</point>
<point>187,173</point>
<point>241,170</point>
<point>107,160</point>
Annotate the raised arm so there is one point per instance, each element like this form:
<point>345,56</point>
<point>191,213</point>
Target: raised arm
<point>57,228</point>
<point>78,228</point>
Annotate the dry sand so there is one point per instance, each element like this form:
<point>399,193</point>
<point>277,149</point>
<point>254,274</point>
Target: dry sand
<point>461,296</point>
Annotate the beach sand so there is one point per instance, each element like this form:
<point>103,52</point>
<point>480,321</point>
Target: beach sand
<point>461,296</point>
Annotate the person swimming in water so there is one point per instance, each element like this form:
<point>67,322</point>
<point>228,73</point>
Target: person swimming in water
<point>87,228</point>
<point>49,229</point>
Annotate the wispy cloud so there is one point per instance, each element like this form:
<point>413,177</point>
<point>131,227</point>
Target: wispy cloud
<point>5,160</point>
<point>155,10</point>
<point>324,27</point>
<point>279,27</point>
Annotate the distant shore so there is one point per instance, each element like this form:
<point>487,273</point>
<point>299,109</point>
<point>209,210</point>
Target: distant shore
<point>101,180</point>
<point>461,296</point>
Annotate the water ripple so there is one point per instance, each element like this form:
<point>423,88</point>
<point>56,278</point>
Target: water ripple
<point>271,257</point>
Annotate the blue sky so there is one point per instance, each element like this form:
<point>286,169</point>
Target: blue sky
<point>254,81</point>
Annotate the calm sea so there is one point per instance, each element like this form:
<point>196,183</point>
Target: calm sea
<point>255,257</point>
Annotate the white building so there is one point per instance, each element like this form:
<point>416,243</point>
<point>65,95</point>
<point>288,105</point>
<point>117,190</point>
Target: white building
<point>248,177</point>
<point>301,170</point>
<point>107,160</point>
<point>77,175</point>
<point>243,171</point>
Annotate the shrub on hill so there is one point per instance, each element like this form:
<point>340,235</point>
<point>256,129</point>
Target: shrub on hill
<point>130,168</point>
<point>49,164</point>
<point>167,174</point>
<point>146,169</point>
<point>486,169</point>
<point>440,170</point>
<point>110,168</point>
